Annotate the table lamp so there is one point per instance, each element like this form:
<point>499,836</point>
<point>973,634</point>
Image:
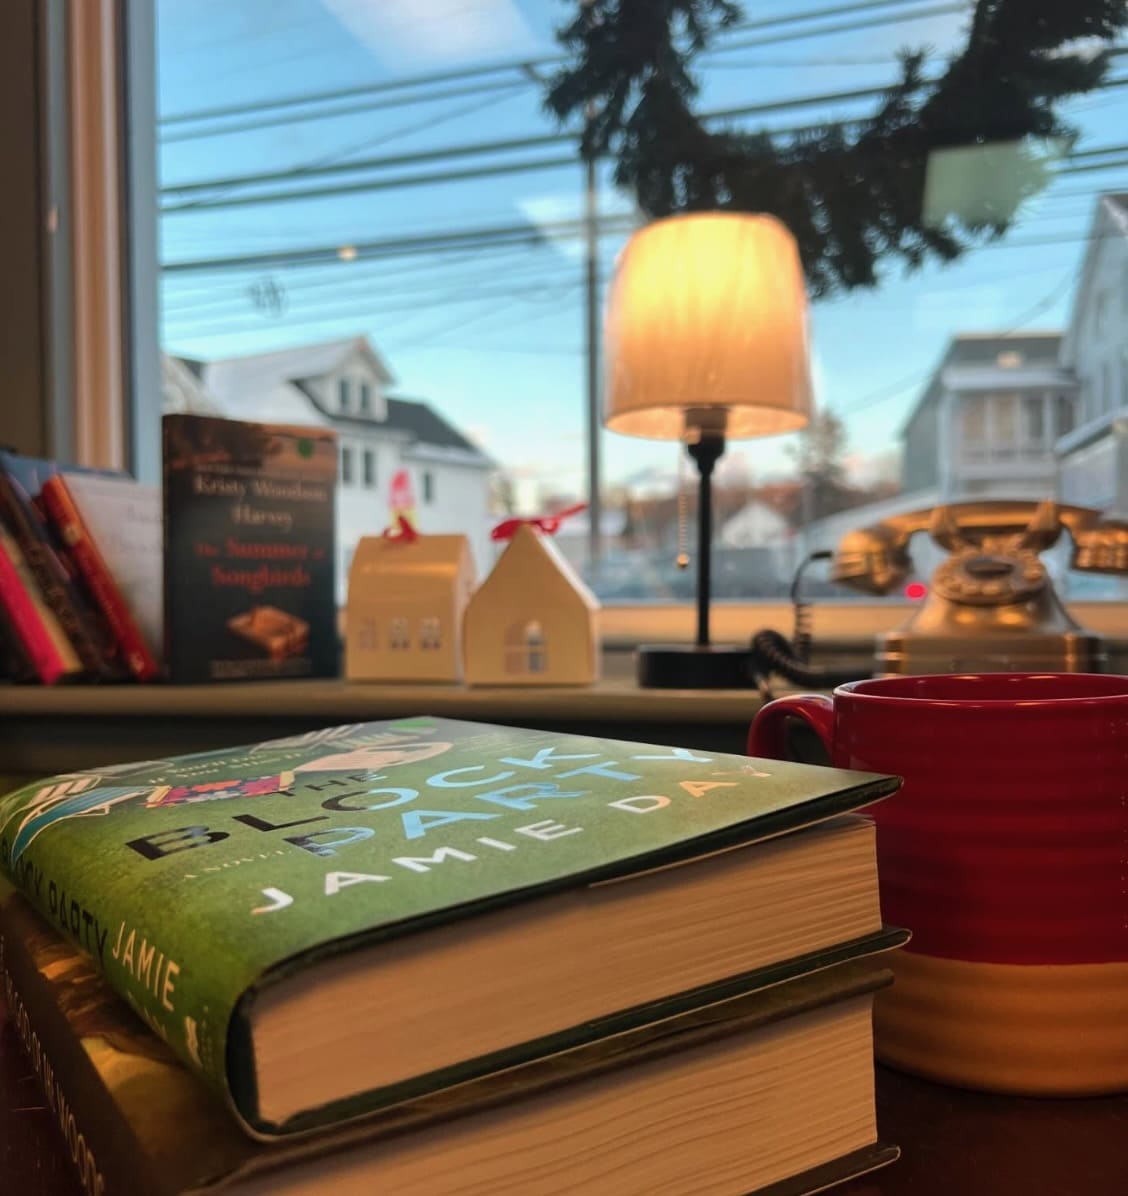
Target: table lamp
<point>706,339</point>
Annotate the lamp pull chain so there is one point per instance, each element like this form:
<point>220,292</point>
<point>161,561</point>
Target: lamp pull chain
<point>682,559</point>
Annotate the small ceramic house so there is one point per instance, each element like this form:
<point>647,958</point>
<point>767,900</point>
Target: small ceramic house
<point>532,621</point>
<point>406,602</point>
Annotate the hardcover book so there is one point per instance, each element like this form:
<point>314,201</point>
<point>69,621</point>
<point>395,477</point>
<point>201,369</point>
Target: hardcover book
<point>123,518</point>
<point>100,582</point>
<point>787,1068</point>
<point>21,479</point>
<point>248,550</point>
<point>336,922</point>
<point>33,636</point>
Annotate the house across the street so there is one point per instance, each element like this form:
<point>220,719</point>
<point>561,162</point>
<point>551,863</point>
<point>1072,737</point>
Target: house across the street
<point>395,453</point>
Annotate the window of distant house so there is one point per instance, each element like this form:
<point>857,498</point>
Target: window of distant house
<point>343,395</point>
<point>365,398</point>
<point>346,465</point>
<point>1100,312</point>
<point>1033,419</point>
<point>1063,415</point>
<point>1009,359</point>
<point>1005,430</point>
<point>975,423</point>
<point>428,486</point>
<point>369,467</point>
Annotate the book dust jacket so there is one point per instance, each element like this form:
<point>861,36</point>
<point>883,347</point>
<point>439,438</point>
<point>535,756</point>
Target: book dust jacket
<point>249,550</point>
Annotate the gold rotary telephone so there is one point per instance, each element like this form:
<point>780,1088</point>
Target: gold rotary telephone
<point>991,605</point>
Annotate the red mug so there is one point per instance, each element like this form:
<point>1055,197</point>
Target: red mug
<point>1006,854</point>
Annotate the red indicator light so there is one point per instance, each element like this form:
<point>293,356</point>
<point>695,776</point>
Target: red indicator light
<point>916,590</point>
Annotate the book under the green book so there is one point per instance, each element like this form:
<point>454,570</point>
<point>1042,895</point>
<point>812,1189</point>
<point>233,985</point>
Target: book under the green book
<point>334,923</point>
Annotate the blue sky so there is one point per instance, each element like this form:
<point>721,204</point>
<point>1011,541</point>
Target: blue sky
<point>494,338</point>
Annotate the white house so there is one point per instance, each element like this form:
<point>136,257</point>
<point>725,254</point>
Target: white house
<point>987,421</point>
<point>343,385</point>
<point>1093,456</point>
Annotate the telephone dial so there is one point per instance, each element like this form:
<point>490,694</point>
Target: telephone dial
<point>991,605</point>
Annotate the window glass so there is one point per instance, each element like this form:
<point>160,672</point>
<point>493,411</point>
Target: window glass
<point>385,188</point>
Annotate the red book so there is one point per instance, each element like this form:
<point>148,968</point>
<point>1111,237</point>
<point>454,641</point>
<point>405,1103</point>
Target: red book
<point>42,640</point>
<point>99,580</point>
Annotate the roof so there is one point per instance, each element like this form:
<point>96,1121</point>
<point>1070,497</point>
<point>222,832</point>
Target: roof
<point>426,424</point>
<point>261,372</point>
<point>1111,211</point>
<point>233,378</point>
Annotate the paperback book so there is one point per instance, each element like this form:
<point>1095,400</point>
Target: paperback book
<point>336,922</point>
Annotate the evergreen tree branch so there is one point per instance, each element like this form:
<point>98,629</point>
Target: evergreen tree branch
<point>852,195</point>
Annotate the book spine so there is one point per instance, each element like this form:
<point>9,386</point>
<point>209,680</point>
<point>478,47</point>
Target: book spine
<point>31,536</point>
<point>100,583</point>
<point>94,1137</point>
<point>34,628</point>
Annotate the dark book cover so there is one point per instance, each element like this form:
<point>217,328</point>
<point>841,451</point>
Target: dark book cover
<point>249,550</point>
<point>132,1119</point>
<point>265,859</point>
<point>21,479</point>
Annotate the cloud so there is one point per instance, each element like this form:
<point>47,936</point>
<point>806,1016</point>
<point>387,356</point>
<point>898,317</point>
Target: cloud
<point>434,30</point>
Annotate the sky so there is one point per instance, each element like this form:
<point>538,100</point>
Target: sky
<point>494,338</point>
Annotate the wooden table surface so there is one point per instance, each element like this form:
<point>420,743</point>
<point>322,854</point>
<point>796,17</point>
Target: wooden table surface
<point>954,1143</point>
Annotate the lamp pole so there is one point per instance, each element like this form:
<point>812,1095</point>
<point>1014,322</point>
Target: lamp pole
<point>706,451</point>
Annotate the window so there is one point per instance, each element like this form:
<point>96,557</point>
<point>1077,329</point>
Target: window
<point>290,238</point>
<point>346,465</point>
<point>974,423</point>
<point>1063,415</point>
<point>1033,419</point>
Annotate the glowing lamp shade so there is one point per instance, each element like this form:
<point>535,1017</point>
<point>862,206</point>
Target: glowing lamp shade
<point>706,327</point>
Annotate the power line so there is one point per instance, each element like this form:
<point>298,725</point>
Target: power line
<point>481,148</point>
<point>477,149</point>
<point>521,66</point>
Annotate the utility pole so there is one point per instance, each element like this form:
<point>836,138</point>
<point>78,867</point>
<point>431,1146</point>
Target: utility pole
<point>592,350</point>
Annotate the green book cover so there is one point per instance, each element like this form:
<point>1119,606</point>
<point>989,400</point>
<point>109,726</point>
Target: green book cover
<point>191,882</point>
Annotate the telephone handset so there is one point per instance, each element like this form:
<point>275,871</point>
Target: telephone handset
<point>991,604</point>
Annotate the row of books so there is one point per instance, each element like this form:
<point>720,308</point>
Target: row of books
<point>225,572</point>
<point>80,574</point>
<point>653,972</point>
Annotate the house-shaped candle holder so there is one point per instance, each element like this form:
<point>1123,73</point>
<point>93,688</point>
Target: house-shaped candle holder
<point>407,597</point>
<point>532,621</point>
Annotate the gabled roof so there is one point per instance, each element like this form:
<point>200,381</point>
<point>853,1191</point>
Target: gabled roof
<point>1110,218</point>
<point>262,372</point>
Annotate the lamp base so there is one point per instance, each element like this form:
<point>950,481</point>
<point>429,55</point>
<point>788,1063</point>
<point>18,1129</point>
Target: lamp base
<point>693,666</point>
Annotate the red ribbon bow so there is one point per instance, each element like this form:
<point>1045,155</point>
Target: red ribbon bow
<point>543,523</point>
<point>402,530</point>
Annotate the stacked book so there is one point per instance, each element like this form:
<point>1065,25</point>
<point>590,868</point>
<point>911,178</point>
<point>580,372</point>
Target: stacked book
<point>437,957</point>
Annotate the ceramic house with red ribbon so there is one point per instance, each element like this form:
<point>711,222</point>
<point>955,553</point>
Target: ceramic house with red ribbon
<point>407,597</point>
<point>532,621</point>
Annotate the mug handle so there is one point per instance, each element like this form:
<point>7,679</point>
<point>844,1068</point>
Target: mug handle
<point>767,736</point>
